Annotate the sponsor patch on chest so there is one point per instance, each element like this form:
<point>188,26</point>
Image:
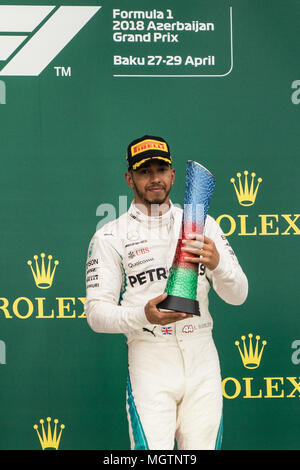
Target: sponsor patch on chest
<point>149,275</point>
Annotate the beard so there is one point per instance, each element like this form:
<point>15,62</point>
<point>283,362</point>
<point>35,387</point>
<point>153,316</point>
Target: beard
<point>153,199</point>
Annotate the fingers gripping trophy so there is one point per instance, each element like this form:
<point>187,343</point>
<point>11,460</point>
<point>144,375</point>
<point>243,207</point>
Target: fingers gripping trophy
<point>181,287</point>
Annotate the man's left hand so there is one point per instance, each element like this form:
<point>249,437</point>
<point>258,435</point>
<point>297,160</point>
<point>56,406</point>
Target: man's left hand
<point>203,248</point>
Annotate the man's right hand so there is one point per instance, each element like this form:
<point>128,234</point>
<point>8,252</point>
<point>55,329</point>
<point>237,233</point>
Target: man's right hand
<point>157,317</point>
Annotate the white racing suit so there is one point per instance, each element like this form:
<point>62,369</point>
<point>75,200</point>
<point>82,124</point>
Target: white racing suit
<point>174,381</point>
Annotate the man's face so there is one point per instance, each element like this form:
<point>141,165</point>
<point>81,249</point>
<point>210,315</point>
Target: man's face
<point>151,182</point>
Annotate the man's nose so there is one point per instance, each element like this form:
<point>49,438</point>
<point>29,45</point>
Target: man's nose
<point>155,176</point>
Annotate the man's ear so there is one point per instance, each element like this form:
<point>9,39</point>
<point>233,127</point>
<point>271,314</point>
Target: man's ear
<point>129,179</point>
<point>173,175</point>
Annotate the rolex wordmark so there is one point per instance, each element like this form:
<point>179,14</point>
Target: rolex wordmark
<point>266,387</point>
<point>24,308</point>
<point>260,225</point>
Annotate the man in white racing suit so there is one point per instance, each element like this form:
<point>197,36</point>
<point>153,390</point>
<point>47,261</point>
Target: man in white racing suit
<point>174,382</point>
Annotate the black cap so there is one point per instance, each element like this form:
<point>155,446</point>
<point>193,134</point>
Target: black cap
<point>147,148</point>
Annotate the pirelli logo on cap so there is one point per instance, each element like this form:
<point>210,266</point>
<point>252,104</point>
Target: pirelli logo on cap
<point>145,148</point>
<point>148,145</point>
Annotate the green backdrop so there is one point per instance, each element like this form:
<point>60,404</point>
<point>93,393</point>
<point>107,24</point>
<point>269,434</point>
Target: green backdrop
<point>69,107</point>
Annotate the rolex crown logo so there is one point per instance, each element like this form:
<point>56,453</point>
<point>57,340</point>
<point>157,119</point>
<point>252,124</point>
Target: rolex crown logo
<point>246,193</point>
<point>49,440</point>
<point>43,276</point>
<point>251,357</point>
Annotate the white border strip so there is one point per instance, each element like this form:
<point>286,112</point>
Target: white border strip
<point>194,76</point>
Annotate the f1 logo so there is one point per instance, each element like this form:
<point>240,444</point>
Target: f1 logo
<point>41,33</point>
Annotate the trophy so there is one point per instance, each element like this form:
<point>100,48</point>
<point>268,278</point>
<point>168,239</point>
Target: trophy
<point>182,281</point>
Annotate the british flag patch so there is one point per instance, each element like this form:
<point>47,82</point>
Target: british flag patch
<point>166,330</point>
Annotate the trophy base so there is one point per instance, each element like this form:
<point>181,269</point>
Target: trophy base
<point>180,304</point>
